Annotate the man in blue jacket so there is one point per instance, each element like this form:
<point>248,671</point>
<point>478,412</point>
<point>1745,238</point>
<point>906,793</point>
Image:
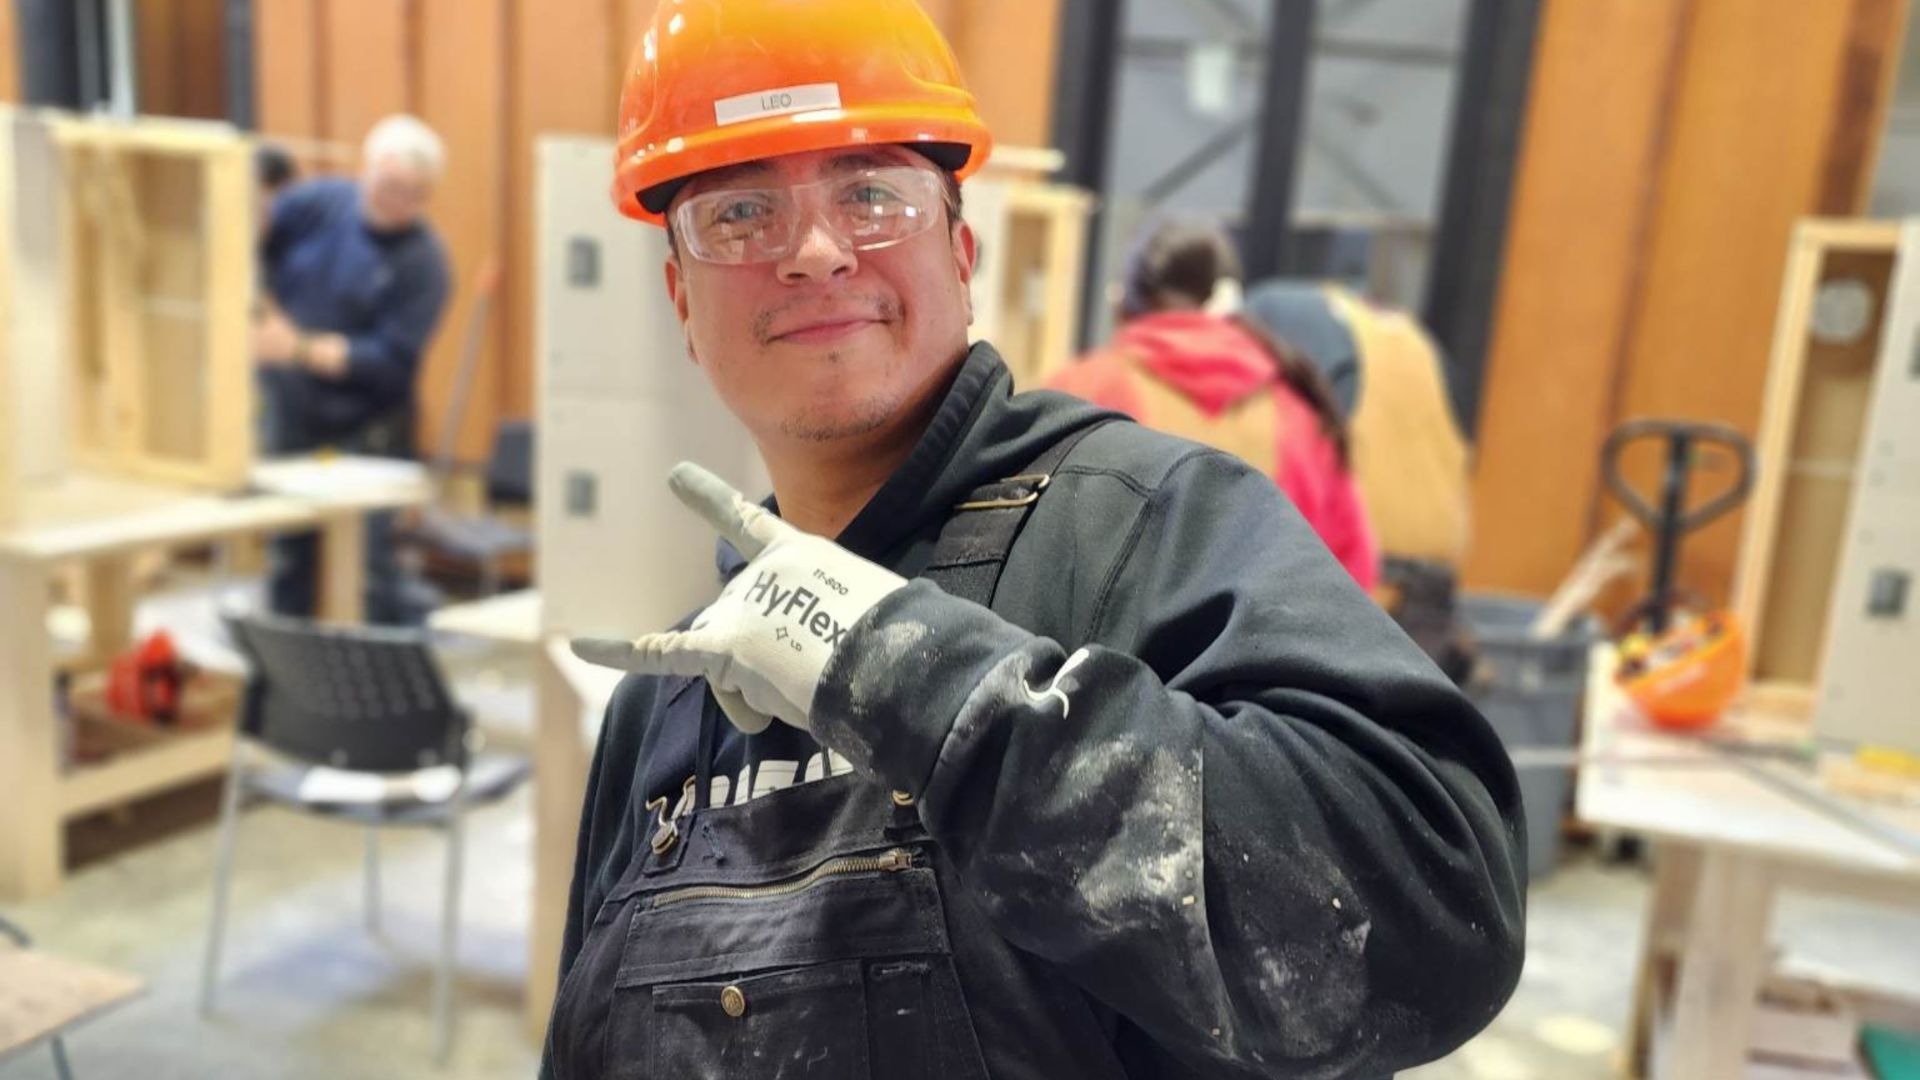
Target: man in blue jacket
<point>355,281</point>
<point>1021,741</point>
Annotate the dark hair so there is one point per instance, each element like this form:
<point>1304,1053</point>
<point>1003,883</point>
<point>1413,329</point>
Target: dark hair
<point>1178,265</point>
<point>273,167</point>
<point>956,205</point>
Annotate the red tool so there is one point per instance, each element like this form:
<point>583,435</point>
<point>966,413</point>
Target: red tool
<point>144,682</point>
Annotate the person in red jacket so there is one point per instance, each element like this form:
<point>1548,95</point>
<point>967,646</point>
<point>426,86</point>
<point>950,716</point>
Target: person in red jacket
<point>1185,362</point>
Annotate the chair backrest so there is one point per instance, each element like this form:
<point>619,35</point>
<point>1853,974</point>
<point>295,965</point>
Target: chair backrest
<point>362,698</point>
<point>510,468</point>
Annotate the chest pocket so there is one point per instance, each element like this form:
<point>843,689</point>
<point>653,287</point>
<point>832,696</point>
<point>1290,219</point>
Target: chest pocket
<point>843,972</point>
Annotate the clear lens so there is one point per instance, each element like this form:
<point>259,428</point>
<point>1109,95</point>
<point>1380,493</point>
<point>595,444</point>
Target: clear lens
<point>867,210</point>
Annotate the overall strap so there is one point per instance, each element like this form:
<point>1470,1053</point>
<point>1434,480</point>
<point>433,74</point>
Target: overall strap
<point>972,549</point>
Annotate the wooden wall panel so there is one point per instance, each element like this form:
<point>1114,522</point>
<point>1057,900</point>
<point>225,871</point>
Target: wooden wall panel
<point>1669,149</point>
<point>287,68</point>
<point>463,49</point>
<point>1008,49</point>
<point>1749,155</point>
<point>182,58</point>
<point>9,55</point>
<point>559,86</point>
<point>1582,205</point>
<point>366,48</point>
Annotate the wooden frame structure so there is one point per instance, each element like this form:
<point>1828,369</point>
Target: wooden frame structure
<point>156,224</point>
<point>1033,245</point>
<point>1820,386</point>
<point>1868,679</point>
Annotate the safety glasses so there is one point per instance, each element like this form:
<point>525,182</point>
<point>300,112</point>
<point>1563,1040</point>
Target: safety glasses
<point>866,210</point>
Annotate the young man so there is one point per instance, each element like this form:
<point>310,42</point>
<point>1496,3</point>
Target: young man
<point>1072,753</point>
<point>356,281</point>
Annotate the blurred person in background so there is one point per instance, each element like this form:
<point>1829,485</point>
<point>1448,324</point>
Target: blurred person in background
<point>1410,459</point>
<point>355,283</point>
<point>274,171</point>
<point>1185,362</point>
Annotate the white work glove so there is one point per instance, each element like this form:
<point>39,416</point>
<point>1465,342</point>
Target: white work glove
<point>765,643</point>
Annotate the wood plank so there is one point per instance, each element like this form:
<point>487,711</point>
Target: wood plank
<point>1746,160</point>
<point>31,844</point>
<point>43,995</point>
<point>343,574</point>
<point>366,49</point>
<point>110,602</point>
<point>10,403</point>
<point>9,55</point>
<point>286,68</point>
<point>463,82</point>
<point>1580,211</point>
<point>227,231</point>
<point>1867,76</point>
<point>1722,967</point>
<point>181,52</point>
<point>1809,444</point>
<point>561,760</point>
<point>179,759</point>
<point>1008,50</point>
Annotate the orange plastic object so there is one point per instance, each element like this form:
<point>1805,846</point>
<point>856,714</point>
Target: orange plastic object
<point>144,681</point>
<point>1686,679</point>
<point>714,83</point>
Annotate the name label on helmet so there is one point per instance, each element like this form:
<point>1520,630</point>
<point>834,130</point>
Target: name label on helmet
<point>787,99</point>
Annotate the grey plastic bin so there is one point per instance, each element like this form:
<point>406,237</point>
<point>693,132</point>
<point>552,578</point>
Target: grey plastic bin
<point>1531,692</point>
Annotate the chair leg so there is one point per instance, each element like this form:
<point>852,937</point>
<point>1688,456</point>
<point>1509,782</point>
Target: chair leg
<point>449,928</point>
<point>60,1068</point>
<point>373,879</point>
<point>222,884</point>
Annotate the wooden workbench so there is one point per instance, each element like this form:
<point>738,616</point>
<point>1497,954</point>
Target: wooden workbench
<point>1732,831</point>
<point>99,523</point>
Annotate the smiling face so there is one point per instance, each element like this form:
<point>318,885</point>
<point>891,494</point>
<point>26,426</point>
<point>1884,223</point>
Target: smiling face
<point>825,342</point>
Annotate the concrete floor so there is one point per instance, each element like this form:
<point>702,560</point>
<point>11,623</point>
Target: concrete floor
<point>309,993</point>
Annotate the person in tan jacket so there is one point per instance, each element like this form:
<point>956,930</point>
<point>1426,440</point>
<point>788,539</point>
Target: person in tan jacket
<point>1184,363</point>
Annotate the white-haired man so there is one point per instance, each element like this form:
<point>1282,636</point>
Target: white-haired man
<point>355,281</point>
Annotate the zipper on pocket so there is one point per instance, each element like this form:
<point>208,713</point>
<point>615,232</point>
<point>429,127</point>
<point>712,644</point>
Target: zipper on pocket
<point>891,863</point>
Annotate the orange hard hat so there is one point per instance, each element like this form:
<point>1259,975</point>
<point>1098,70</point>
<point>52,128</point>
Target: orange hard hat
<point>719,82</point>
<point>1687,679</point>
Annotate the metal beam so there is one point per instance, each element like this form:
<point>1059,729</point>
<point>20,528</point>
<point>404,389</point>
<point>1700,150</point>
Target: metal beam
<point>1226,16</point>
<point>1331,48</point>
<point>1282,117</point>
<point>1083,104</point>
<point>1197,161</point>
<point>242,106</point>
<point>1489,108</point>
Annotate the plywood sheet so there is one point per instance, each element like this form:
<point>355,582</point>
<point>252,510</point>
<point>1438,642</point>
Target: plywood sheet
<point>287,67</point>
<point>1746,160</point>
<point>1813,516</point>
<point>40,995</point>
<point>9,55</point>
<point>1581,208</point>
<point>1008,50</point>
<point>181,58</point>
<point>366,50</point>
<point>462,83</point>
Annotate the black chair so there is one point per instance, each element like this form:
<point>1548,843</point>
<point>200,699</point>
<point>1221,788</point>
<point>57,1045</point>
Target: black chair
<point>356,724</point>
<point>485,542</point>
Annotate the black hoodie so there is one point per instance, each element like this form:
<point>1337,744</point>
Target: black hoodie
<point>1337,831</point>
